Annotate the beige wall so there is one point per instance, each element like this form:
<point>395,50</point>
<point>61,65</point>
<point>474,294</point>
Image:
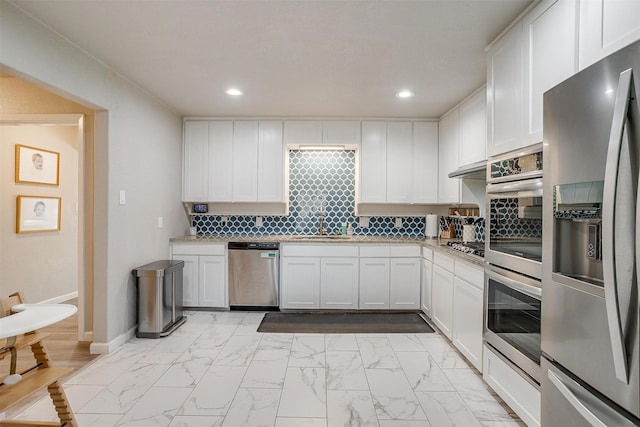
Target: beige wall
<point>43,265</point>
<point>137,149</point>
<point>20,97</point>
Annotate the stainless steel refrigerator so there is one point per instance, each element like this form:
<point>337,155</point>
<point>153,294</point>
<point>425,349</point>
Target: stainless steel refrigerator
<point>591,252</point>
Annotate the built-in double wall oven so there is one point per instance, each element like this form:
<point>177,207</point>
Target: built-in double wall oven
<point>513,256</point>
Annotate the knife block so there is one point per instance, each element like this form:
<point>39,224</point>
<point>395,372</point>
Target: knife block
<point>448,234</point>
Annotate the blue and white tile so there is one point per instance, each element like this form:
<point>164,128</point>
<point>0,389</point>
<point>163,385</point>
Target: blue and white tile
<point>156,408</point>
<point>304,393</point>
<point>393,396</point>
<point>276,342</point>
<point>376,353</point>
<point>253,408</point>
<point>77,395</point>
<point>443,353</point>
<point>98,420</point>
<point>122,394</point>
<point>350,408</point>
<point>308,351</point>
<point>345,371</point>
<point>477,395</point>
<point>267,369</point>
<point>196,421</point>
<point>341,342</point>
<point>300,422</point>
<point>446,408</point>
<point>238,351</point>
<point>423,373</point>
<point>215,391</point>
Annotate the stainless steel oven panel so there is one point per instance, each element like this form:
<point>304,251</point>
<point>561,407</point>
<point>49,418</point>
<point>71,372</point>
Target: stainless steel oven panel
<point>527,286</point>
<point>517,189</point>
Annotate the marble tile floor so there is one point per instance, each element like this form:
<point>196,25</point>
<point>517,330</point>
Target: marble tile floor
<point>216,370</point>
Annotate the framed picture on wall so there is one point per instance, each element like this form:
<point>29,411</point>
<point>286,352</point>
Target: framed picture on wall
<point>37,165</point>
<point>37,213</point>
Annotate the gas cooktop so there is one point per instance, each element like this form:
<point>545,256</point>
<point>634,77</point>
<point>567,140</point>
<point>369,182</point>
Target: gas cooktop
<point>471,248</point>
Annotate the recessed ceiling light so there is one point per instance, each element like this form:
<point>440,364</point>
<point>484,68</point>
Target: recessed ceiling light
<point>234,92</point>
<point>404,94</point>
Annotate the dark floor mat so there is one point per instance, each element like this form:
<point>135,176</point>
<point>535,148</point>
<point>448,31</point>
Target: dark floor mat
<point>344,323</point>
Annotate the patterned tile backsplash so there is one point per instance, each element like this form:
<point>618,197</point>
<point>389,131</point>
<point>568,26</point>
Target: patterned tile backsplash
<point>320,182</point>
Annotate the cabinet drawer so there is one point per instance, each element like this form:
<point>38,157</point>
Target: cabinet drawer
<point>197,249</point>
<point>443,261</point>
<point>427,254</point>
<point>470,274</point>
<point>397,251</point>
<point>319,250</point>
<point>374,251</point>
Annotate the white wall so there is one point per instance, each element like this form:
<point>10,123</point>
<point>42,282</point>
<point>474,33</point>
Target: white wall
<point>42,265</point>
<point>137,149</point>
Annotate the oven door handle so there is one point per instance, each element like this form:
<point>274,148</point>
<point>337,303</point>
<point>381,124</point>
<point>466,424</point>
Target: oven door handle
<point>532,291</point>
<point>610,228</point>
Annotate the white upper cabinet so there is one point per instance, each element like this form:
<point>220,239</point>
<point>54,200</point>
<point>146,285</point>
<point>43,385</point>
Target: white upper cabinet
<point>303,132</point>
<point>473,129</point>
<point>550,35</point>
<point>270,162</point>
<point>399,161</point>
<point>316,132</point>
<point>425,162</point>
<point>448,188</point>
<point>195,154</point>
<point>220,161</point>
<point>226,161</point>
<point>373,163</point>
<point>341,132</point>
<point>245,161</point>
<point>504,93</point>
<point>606,26</point>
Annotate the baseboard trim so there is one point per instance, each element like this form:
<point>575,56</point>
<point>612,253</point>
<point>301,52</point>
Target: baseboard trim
<point>102,348</point>
<point>60,298</point>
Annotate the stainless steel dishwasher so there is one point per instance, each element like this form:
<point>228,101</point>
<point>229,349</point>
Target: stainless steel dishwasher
<point>254,278</point>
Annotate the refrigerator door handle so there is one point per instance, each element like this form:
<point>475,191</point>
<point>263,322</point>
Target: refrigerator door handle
<point>579,406</point>
<point>608,226</point>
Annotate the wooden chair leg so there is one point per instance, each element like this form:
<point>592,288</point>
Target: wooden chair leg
<point>40,354</point>
<point>65,413</point>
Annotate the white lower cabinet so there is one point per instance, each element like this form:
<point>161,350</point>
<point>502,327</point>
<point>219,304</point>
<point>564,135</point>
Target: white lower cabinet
<point>374,283</point>
<point>519,393</point>
<point>457,305</point>
<point>300,282</point>
<point>404,286</point>
<point>204,274</point>
<point>467,320</point>
<point>426,282</point>
<point>319,276</point>
<point>442,305</point>
<point>339,283</point>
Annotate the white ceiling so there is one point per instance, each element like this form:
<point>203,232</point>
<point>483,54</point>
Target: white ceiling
<point>291,58</point>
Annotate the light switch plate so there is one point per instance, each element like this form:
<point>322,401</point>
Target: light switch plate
<point>160,222</point>
<point>398,223</point>
<point>258,221</point>
<point>122,197</point>
<point>364,221</point>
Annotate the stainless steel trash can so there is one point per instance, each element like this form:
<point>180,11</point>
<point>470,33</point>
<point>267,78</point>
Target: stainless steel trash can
<point>159,298</point>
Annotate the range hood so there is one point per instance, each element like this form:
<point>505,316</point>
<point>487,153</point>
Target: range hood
<point>476,170</point>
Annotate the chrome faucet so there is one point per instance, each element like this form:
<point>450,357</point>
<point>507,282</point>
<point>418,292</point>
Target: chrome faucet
<point>321,230</point>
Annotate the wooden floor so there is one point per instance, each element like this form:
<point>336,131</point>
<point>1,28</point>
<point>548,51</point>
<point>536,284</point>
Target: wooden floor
<point>63,348</point>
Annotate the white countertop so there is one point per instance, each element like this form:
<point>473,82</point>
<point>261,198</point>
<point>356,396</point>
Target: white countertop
<point>33,316</point>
